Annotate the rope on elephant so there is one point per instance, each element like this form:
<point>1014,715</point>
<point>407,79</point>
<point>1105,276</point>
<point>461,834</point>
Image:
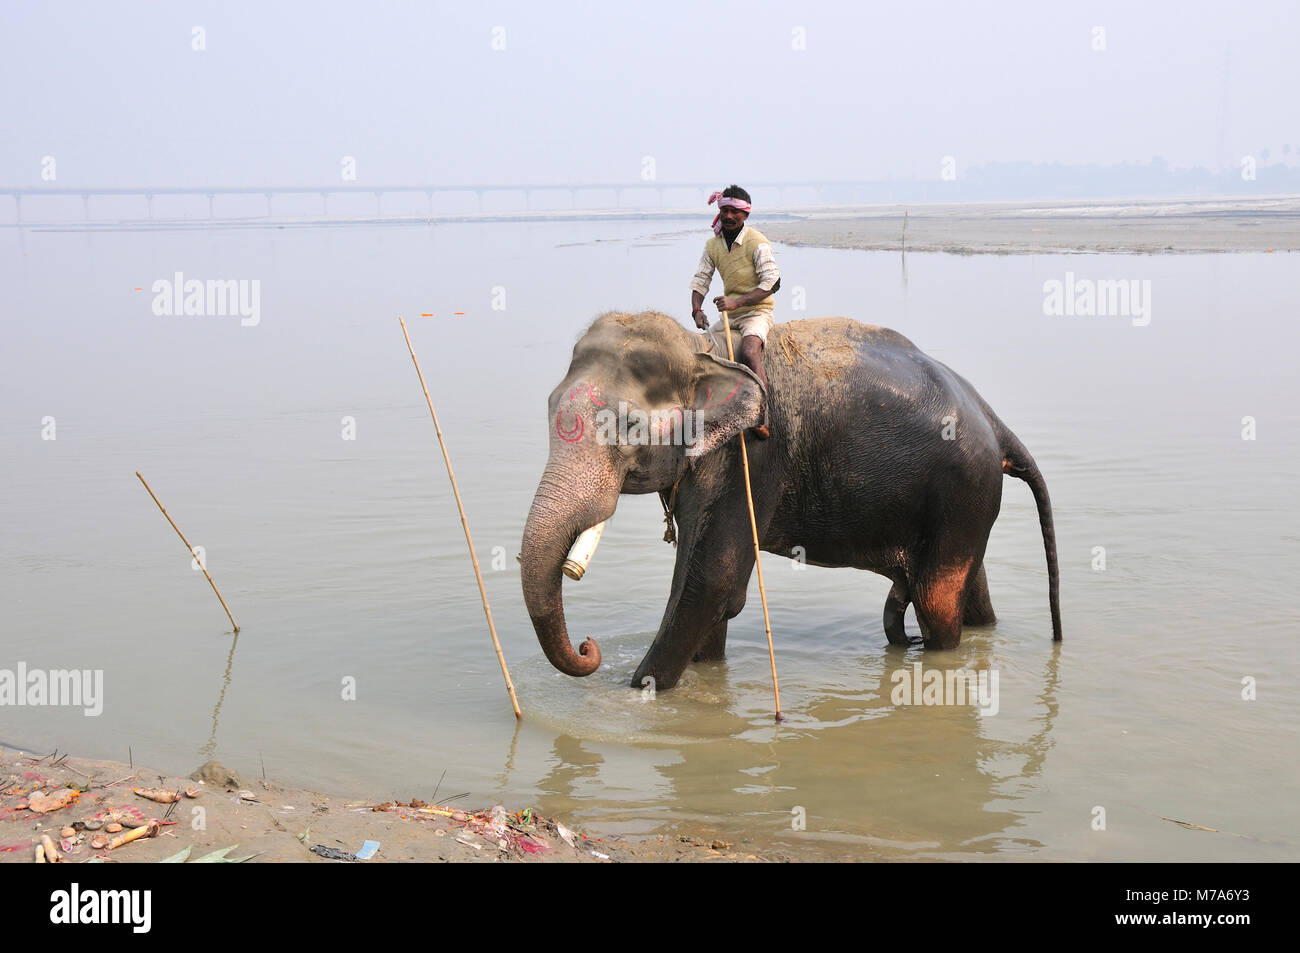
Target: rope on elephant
<point>670,534</point>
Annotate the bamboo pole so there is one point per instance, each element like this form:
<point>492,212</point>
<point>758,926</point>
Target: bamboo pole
<point>753,525</point>
<point>464,522</point>
<point>191,552</point>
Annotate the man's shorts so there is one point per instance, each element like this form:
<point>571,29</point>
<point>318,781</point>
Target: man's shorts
<point>751,323</point>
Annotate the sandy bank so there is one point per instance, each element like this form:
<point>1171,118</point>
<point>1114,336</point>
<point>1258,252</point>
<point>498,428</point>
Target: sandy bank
<point>1137,226</point>
<point>278,823</point>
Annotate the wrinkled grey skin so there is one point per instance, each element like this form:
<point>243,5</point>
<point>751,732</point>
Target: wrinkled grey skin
<point>857,473</point>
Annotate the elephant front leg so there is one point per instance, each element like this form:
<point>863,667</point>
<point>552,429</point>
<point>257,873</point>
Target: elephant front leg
<point>694,628</point>
<point>715,558</point>
<point>714,647</point>
<point>709,584</point>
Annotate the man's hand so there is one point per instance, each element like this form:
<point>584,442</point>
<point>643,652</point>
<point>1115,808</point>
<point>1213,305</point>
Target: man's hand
<point>701,319</point>
<point>726,304</point>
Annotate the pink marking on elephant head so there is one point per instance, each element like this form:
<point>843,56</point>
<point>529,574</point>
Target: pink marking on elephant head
<point>572,435</point>
<point>589,390</point>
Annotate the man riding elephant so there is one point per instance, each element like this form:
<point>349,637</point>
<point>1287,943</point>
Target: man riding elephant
<point>881,458</point>
<point>749,279</point>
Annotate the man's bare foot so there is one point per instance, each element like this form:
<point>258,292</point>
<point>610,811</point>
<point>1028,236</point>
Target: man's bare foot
<point>760,432</point>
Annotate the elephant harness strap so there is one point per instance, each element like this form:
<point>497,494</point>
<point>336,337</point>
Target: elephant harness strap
<point>670,534</point>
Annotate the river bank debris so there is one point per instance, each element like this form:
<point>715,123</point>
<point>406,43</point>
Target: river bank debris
<point>164,796</point>
<point>524,832</point>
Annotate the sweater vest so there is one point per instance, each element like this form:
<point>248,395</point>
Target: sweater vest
<point>737,268</point>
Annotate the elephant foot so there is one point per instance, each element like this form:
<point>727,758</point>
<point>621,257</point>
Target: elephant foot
<point>648,674</point>
<point>936,645</point>
<point>938,633</point>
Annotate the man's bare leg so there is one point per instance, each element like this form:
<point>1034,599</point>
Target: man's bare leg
<point>751,355</point>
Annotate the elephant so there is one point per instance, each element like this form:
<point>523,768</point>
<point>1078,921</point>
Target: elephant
<point>880,458</point>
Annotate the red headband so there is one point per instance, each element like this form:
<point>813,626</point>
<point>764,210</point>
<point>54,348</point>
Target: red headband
<point>725,202</point>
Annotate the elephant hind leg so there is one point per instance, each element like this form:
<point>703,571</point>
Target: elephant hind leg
<point>940,599</point>
<point>895,608</point>
<point>979,607</point>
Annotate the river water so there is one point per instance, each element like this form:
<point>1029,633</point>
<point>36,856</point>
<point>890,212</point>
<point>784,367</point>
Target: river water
<point>294,446</point>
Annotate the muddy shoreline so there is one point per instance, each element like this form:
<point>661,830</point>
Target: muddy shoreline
<point>268,822</point>
<point>1122,226</point>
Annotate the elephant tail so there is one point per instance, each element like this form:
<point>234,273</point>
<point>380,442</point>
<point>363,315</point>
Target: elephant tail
<point>1017,462</point>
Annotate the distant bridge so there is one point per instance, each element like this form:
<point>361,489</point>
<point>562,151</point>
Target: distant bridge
<point>843,192</point>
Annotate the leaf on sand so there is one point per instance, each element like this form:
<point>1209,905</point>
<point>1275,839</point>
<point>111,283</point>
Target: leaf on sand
<point>219,857</point>
<point>565,834</point>
<point>177,858</point>
<point>1190,826</point>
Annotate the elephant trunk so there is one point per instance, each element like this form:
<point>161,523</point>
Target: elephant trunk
<point>566,503</point>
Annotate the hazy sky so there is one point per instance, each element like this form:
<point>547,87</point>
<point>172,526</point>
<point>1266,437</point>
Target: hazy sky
<point>743,91</point>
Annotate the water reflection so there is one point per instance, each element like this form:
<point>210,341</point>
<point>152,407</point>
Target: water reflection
<point>866,776</point>
<point>209,749</point>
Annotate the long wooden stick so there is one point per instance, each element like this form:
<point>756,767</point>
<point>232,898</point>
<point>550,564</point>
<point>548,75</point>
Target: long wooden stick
<point>190,549</point>
<point>464,522</point>
<point>753,525</point>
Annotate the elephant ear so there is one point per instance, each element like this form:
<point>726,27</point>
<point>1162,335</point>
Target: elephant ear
<point>728,399</point>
